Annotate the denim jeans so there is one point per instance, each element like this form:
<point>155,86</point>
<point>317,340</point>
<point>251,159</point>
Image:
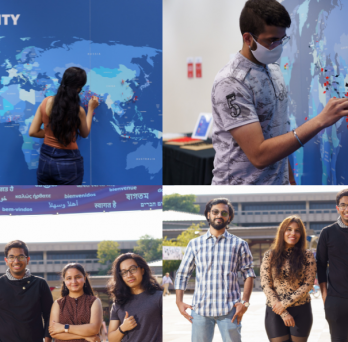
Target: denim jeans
<point>203,327</point>
<point>59,167</point>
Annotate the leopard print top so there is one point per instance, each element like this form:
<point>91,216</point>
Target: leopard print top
<point>280,289</point>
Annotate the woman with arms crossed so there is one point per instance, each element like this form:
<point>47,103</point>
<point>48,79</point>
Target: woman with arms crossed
<point>137,309</point>
<point>64,120</point>
<point>77,316</point>
<point>287,275</point>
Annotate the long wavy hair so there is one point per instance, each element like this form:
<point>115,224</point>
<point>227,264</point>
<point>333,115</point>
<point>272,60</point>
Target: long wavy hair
<point>64,119</point>
<point>117,288</point>
<point>278,253</point>
<point>87,288</point>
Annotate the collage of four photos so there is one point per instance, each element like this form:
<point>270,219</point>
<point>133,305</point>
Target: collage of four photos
<point>173,171</point>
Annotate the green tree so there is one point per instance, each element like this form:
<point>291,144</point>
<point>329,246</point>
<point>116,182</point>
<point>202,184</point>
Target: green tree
<point>180,203</point>
<point>170,266</point>
<point>182,240</point>
<point>107,252</point>
<point>149,248</point>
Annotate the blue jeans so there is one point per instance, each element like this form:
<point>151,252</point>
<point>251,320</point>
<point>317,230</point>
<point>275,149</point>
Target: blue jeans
<point>203,327</point>
<point>59,167</point>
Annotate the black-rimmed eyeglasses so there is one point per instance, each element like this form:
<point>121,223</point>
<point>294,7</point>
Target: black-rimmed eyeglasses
<point>132,270</point>
<point>12,258</point>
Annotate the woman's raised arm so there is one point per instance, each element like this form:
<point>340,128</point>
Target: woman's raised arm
<point>115,334</point>
<point>86,121</point>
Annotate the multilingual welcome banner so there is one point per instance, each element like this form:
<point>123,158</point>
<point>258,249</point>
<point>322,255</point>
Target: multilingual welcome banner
<point>69,199</point>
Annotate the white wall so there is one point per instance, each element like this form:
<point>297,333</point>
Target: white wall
<point>195,28</point>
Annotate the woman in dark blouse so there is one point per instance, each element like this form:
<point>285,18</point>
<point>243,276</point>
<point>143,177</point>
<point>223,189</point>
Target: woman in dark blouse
<point>136,314</point>
<point>77,316</point>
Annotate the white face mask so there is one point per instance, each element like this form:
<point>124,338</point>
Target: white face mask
<point>265,56</point>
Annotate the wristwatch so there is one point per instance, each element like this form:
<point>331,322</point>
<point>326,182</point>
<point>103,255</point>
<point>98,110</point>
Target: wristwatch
<point>246,304</point>
<point>121,331</point>
<point>66,328</point>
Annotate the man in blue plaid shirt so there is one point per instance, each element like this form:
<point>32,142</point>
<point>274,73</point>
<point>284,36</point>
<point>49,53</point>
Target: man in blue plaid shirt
<point>217,257</point>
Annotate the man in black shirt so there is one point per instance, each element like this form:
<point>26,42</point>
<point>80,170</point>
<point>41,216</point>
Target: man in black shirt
<point>333,249</point>
<point>25,300</point>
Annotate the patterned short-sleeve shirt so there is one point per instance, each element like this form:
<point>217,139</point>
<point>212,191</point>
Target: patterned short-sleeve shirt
<point>75,311</point>
<point>244,92</point>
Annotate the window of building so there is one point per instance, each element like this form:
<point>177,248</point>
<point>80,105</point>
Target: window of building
<point>36,256</point>
<point>274,206</point>
<point>235,206</point>
<point>258,250</point>
<point>258,224</point>
<point>71,255</point>
<point>322,205</point>
<point>53,276</point>
<point>318,226</point>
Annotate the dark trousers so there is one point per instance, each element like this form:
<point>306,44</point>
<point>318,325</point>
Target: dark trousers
<point>59,167</point>
<point>336,314</point>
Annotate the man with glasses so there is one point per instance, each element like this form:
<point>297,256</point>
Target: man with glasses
<point>217,256</point>
<point>25,300</point>
<point>333,278</point>
<point>250,105</point>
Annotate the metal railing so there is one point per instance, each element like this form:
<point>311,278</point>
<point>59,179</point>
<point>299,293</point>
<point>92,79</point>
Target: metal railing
<point>287,212</point>
<point>60,262</point>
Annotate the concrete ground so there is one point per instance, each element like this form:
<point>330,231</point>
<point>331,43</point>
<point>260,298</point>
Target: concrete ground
<point>177,329</point>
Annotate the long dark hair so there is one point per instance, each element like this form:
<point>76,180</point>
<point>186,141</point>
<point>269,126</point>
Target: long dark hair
<point>87,288</point>
<point>64,118</point>
<point>117,288</point>
<point>298,256</point>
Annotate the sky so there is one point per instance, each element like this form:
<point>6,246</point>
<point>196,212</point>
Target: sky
<point>249,189</point>
<point>126,225</point>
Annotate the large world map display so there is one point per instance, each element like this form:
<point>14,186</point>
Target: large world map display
<point>118,44</point>
<point>315,68</point>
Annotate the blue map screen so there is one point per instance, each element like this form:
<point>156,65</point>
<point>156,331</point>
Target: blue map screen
<point>119,45</point>
<point>315,69</point>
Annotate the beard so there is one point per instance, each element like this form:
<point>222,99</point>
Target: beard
<point>219,226</point>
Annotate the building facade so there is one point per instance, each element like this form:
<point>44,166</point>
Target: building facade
<point>317,210</point>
